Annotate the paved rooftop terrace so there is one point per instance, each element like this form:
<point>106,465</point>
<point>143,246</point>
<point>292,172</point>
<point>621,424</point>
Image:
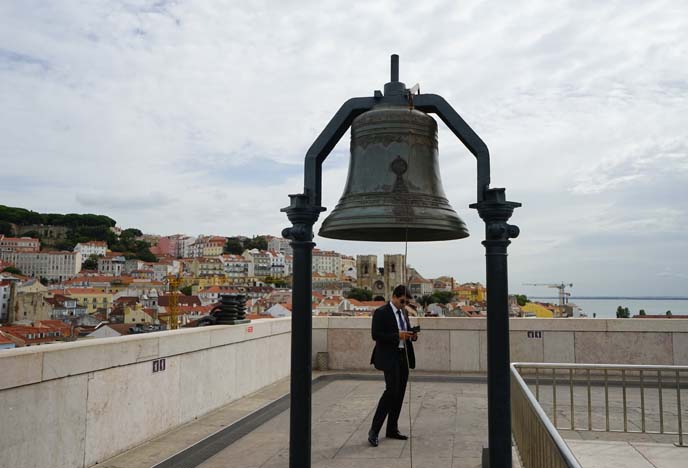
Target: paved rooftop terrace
<point>449,430</point>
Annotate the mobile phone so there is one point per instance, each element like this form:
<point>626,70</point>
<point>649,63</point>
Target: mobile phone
<point>415,329</point>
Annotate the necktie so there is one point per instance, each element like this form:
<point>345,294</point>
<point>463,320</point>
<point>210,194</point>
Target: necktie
<point>402,322</point>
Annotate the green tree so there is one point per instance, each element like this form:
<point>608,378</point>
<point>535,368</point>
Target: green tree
<point>131,232</point>
<point>275,281</point>
<point>622,312</point>
<point>19,215</point>
<point>426,300</point>
<point>521,299</point>
<point>668,313</point>
<point>360,294</point>
<point>132,248</point>
<point>258,242</point>
<point>234,246</point>
<point>443,297</point>
<point>32,233</point>
<point>91,262</point>
<point>186,290</point>
<point>12,270</point>
<point>6,228</point>
<point>23,216</point>
<point>143,252</point>
<point>641,312</point>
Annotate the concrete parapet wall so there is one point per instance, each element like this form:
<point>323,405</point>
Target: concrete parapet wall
<point>77,404</point>
<point>460,344</point>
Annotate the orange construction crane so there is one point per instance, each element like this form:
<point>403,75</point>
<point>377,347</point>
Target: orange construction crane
<point>173,304</point>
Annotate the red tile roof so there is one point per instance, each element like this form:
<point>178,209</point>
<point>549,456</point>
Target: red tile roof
<point>129,300</point>
<point>95,243</point>
<point>375,304</point>
<point>182,300</point>
<point>22,332</point>
<point>258,316</point>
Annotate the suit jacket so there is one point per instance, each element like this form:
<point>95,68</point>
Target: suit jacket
<point>385,331</point>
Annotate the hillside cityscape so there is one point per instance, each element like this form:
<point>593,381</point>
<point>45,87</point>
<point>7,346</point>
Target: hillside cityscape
<point>64,277</point>
<point>76,276</point>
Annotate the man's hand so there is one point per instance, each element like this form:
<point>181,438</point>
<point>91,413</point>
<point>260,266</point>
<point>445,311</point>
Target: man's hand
<point>406,335</point>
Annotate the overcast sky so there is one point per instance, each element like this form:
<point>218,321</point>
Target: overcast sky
<point>194,117</point>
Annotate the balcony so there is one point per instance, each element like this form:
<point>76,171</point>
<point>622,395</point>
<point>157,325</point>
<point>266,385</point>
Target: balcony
<point>215,396</point>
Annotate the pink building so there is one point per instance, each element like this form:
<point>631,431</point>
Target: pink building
<point>19,244</point>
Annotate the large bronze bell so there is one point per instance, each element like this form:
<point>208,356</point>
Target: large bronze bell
<point>393,191</point>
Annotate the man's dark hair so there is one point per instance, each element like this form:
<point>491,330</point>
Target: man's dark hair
<point>401,291</point>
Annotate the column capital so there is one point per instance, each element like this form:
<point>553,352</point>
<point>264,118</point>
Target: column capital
<point>302,215</point>
<point>496,211</point>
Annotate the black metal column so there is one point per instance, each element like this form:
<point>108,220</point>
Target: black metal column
<point>303,216</point>
<point>301,345</point>
<point>496,211</point>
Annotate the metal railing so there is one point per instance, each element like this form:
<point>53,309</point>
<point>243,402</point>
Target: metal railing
<point>538,441</point>
<point>586,388</point>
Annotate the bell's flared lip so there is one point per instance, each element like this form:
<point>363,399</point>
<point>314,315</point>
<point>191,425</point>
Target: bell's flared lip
<point>397,233</point>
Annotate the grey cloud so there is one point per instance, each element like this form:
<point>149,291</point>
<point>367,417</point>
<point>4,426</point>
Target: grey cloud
<point>10,59</point>
<point>140,201</point>
<point>672,274</point>
<point>643,164</point>
<point>152,109</point>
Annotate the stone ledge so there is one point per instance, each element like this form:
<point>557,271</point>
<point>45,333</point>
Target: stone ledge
<point>20,369</point>
<point>29,365</point>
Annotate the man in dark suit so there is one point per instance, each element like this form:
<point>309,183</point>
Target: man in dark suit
<point>393,354</point>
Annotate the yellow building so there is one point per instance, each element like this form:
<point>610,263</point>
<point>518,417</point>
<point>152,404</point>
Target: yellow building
<point>137,315</point>
<point>204,266</point>
<point>472,292</point>
<point>91,298</point>
<point>204,281</point>
<point>531,308</point>
<point>145,285</point>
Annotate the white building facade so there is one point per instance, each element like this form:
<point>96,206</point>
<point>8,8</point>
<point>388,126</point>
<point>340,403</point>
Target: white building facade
<point>53,266</point>
<point>237,266</point>
<point>111,266</point>
<point>87,249</point>
<point>184,244</point>
<point>5,298</point>
<point>262,261</point>
<point>277,264</point>
<point>280,245</point>
<point>327,262</point>
<point>348,269</point>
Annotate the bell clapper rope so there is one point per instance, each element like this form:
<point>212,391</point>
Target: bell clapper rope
<point>406,281</point>
<point>406,354</point>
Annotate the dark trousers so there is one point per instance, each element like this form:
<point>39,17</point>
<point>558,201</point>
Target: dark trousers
<point>392,398</point>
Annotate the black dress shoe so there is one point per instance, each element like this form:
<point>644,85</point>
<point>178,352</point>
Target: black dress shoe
<point>372,439</point>
<point>396,435</point>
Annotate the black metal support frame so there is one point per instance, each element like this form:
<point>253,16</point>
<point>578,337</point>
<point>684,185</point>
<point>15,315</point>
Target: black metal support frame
<point>492,207</point>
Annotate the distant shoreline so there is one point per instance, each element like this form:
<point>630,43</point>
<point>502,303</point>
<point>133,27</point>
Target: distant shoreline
<point>632,298</point>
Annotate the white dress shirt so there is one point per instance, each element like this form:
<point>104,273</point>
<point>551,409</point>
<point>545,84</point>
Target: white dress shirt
<point>399,324</point>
